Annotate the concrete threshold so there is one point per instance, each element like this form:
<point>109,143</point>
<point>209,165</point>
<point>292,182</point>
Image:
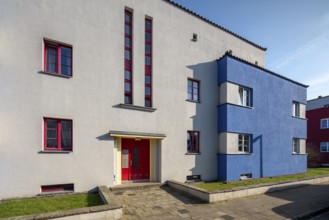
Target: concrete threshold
<point>136,186</point>
<point>240,192</point>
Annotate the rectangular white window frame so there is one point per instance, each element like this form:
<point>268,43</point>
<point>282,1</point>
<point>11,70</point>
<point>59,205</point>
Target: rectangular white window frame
<point>324,123</point>
<point>244,143</point>
<point>295,109</point>
<point>324,146</point>
<point>244,96</point>
<point>295,145</point>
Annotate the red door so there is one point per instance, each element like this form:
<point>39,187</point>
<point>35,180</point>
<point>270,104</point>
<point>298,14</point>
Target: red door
<point>135,159</point>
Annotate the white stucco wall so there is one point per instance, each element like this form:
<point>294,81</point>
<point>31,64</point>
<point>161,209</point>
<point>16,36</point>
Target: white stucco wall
<point>228,143</point>
<point>89,98</point>
<point>229,93</point>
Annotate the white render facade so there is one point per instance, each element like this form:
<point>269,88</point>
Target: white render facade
<point>91,98</point>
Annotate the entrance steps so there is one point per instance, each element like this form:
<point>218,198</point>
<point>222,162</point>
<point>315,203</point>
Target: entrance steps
<point>136,186</point>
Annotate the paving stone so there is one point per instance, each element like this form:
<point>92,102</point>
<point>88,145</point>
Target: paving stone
<point>166,203</point>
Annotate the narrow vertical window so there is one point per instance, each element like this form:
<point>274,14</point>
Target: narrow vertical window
<point>295,109</point>
<point>193,90</point>
<point>193,142</point>
<point>295,145</point>
<point>128,86</point>
<point>148,62</point>
<point>244,96</point>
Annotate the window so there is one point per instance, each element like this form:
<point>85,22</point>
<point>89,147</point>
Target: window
<point>148,62</point>
<point>128,86</point>
<point>324,123</point>
<point>58,58</point>
<point>57,134</point>
<point>57,188</point>
<point>295,109</point>
<point>193,90</point>
<point>193,142</point>
<point>244,143</point>
<point>324,146</point>
<point>295,146</point>
<point>244,96</point>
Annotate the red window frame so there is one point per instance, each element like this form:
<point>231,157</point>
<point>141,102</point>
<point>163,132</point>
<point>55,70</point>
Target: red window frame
<point>58,135</point>
<point>148,62</point>
<point>193,142</point>
<point>128,57</point>
<point>191,91</point>
<point>59,55</point>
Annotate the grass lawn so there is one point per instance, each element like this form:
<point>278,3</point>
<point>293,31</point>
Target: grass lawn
<point>311,172</point>
<point>19,207</point>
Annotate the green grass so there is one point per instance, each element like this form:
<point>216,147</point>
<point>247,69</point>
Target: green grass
<point>311,172</point>
<point>20,207</point>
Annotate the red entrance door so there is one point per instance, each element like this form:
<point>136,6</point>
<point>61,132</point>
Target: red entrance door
<point>135,159</point>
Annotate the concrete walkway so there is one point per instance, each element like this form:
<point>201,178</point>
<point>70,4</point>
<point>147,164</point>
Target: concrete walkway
<point>166,203</point>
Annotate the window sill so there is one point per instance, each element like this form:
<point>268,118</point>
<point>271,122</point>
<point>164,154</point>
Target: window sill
<point>298,117</point>
<point>297,154</point>
<point>136,107</point>
<point>243,154</point>
<point>192,153</point>
<point>54,152</point>
<point>242,106</point>
<point>190,100</point>
<point>55,74</point>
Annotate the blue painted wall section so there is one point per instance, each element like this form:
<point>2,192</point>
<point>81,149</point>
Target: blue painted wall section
<point>269,121</point>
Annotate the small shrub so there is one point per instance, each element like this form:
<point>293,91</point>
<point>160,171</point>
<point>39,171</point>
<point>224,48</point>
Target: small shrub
<point>313,156</point>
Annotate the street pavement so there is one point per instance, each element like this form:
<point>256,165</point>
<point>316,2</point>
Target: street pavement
<point>167,203</point>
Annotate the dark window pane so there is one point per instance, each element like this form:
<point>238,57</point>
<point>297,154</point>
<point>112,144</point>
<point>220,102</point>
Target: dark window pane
<point>147,60</point>
<point>66,70</point>
<point>51,143</point>
<point>148,103</point>
<point>147,37</point>
<point>127,17</point>
<point>127,87</point>
<point>127,29</point>
<point>51,123</point>
<point>147,91</point>
<point>147,48</point>
<point>51,59</point>
<point>127,54</point>
<point>66,51</point>
<point>127,42</point>
<point>147,79</point>
<point>127,74</point>
<point>128,99</point>
<point>147,25</point>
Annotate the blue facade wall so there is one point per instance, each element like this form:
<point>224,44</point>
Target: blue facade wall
<point>269,121</point>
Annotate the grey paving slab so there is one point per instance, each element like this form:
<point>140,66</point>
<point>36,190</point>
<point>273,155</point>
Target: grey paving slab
<point>166,203</point>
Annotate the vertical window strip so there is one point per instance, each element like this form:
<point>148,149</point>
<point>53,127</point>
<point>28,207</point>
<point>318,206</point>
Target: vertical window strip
<point>128,56</point>
<point>148,63</point>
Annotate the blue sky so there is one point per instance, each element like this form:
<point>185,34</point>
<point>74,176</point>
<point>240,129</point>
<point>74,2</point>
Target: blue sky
<point>295,33</point>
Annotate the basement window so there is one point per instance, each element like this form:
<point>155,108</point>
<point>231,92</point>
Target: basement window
<point>57,188</point>
<point>245,176</point>
<point>193,178</point>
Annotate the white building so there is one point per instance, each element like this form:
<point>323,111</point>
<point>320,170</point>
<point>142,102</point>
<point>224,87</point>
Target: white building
<point>100,92</point>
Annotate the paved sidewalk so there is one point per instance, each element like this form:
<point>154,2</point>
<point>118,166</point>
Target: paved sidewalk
<point>166,203</point>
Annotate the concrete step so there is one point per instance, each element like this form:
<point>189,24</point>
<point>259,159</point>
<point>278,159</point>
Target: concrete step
<point>136,186</point>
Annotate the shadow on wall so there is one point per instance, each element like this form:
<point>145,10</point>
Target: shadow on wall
<point>105,137</point>
<point>204,119</point>
<point>301,200</point>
